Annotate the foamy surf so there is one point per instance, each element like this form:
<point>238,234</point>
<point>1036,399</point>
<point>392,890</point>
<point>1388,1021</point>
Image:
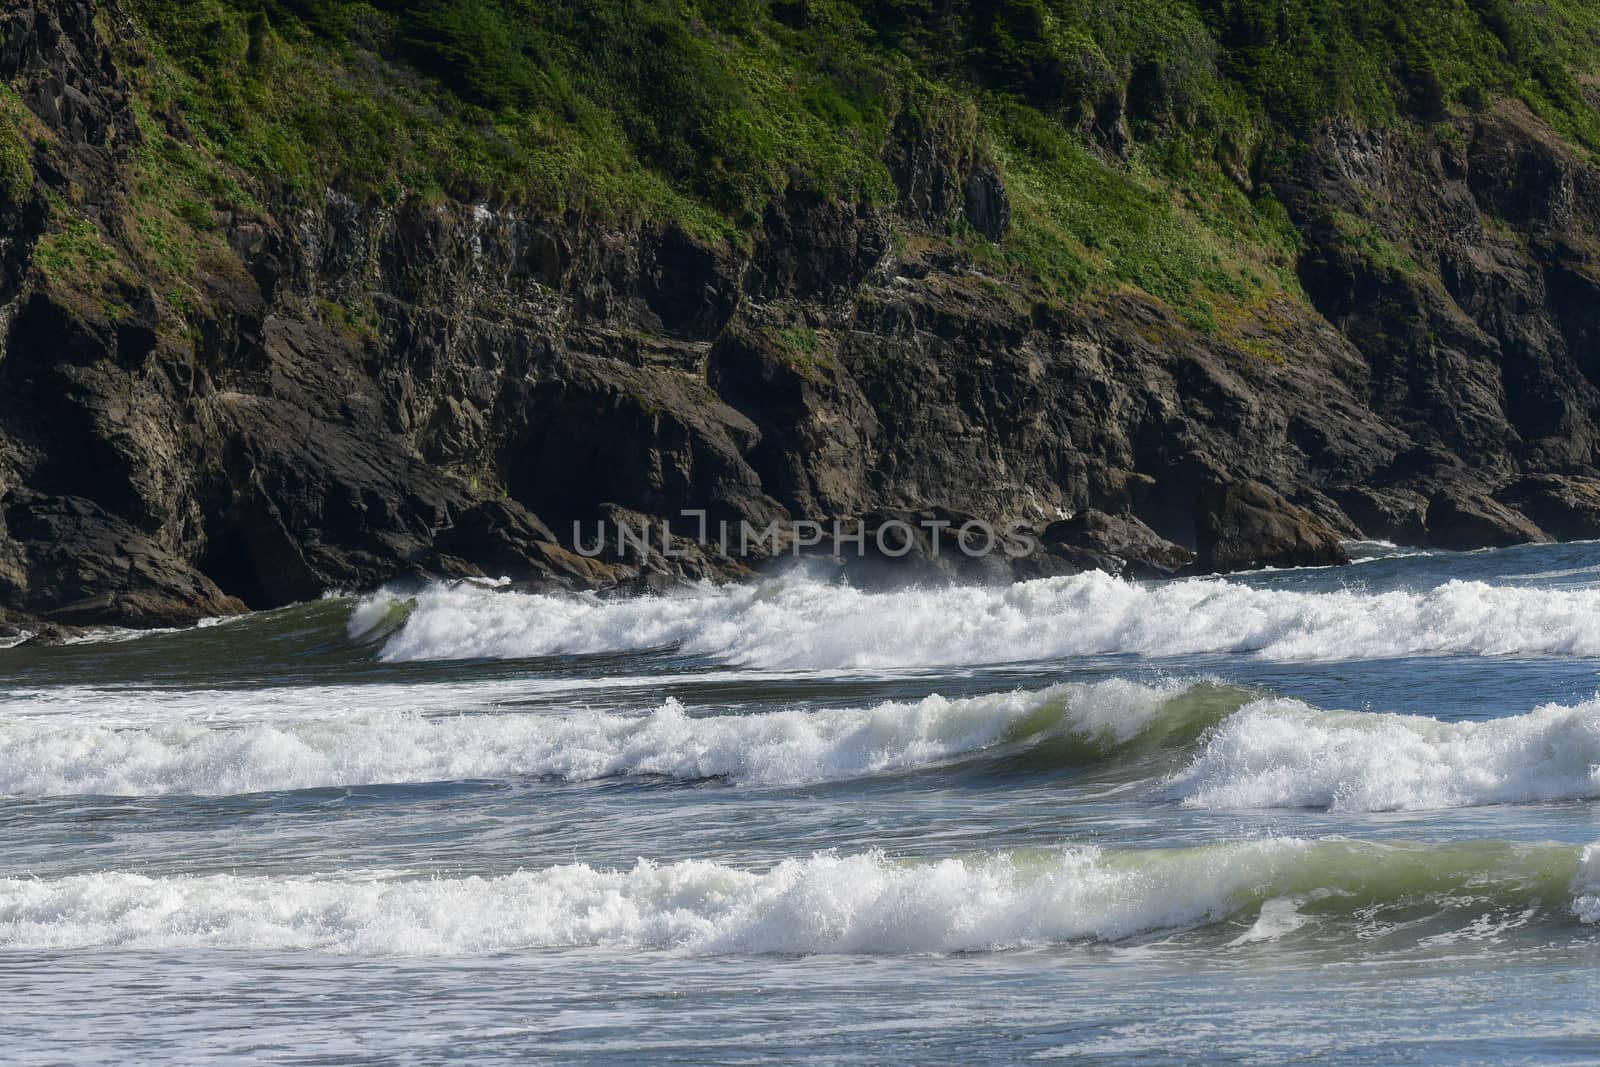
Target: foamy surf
<point>1284,754</point>
<point>1231,748</point>
<point>798,622</point>
<point>1067,723</point>
<point>151,705</point>
<point>866,904</point>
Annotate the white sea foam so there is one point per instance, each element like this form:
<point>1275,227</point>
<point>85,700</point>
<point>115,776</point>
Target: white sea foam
<point>365,746</point>
<point>1283,753</point>
<point>1586,886</point>
<point>825,904</point>
<point>799,622</point>
<point>140,705</point>
<point>1372,551</point>
<point>1263,753</point>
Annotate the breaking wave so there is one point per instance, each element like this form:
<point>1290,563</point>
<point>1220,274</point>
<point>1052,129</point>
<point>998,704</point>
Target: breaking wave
<point>1203,743</point>
<point>799,622</point>
<point>1061,725</point>
<point>1284,753</point>
<point>868,903</point>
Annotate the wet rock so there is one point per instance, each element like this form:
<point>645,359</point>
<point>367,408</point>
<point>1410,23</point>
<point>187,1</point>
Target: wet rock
<point>1565,507</point>
<point>1396,515</point>
<point>902,546</point>
<point>623,544</point>
<point>1244,526</point>
<point>500,538</point>
<point>52,635</point>
<point>11,631</point>
<point>86,567</point>
<point>1463,520</point>
<point>1117,544</point>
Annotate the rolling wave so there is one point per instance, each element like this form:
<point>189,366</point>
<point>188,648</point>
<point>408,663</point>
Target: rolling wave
<point>799,622</point>
<point>1205,744</point>
<point>1061,725</point>
<point>1253,891</point>
<point>1286,754</point>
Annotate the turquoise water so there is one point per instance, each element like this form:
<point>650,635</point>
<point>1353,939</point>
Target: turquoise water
<point>1299,816</point>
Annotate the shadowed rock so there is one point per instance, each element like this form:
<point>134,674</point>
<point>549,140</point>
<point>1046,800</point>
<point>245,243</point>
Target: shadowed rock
<point>1117,544</point>
<point>1474,520</point>
<point>1564,507</point>
<point>1244,525</point>
<point>83,566</point>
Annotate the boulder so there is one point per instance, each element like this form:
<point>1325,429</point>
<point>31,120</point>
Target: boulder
<point>1397,515</point>
<point>1461,519</point>
<point>86,566</point>
<point>500,537</point>
<point>1245,525</point>
<point>1565,507</point>
<point>1118,544</point>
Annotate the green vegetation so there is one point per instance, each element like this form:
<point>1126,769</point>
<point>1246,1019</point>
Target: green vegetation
<point>1361,237</point>
<point>358,320</point>
<point>175,192</point>
<point>806,351</point>
<point>801,340</point>
<point>77,262</point>
<point>1080,222</point>
<point>16,170</point>
<point>77,250</point>
<point>1126,130</point>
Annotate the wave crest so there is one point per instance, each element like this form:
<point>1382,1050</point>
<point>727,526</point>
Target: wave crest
<point>1286,754</point>
<point>1237,749</point>
<point>1067,724</point>
<point>799,622</point>
<point>828,903</point>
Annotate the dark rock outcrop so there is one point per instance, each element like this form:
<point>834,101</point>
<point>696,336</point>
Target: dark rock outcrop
<point>1116,544</point>
<point>1244,525</point>
<point>1462,520</point>
<point>72,563</point>
<point>501,538</point>
<point>1566,508</point>
<point>349,391</point>
<point>926,545</point>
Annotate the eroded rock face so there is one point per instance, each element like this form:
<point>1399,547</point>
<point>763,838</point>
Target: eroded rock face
<point>1245,525</point>
<point>364,391</point>
<point>1472,520</point>
<point>80,565</point>
<point>1565,507</point>
<point>1116,544</point>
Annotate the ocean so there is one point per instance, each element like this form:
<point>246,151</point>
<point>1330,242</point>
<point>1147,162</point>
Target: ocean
<point>1321,815</point>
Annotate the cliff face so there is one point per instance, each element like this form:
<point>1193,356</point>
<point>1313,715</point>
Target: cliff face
<point>329,393</point>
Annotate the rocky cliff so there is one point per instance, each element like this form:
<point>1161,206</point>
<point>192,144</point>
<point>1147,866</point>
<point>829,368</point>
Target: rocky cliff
<point>245,398</point>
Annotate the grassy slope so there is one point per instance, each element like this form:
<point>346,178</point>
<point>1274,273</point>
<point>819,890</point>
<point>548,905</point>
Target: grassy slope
<point>700,111</point>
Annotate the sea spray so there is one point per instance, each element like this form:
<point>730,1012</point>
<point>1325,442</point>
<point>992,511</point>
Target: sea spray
<point>865,903</point>
<point>1203,743</point>
<point>1075,723</point>
<point>799,622</point>
<point>1286,754</point>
